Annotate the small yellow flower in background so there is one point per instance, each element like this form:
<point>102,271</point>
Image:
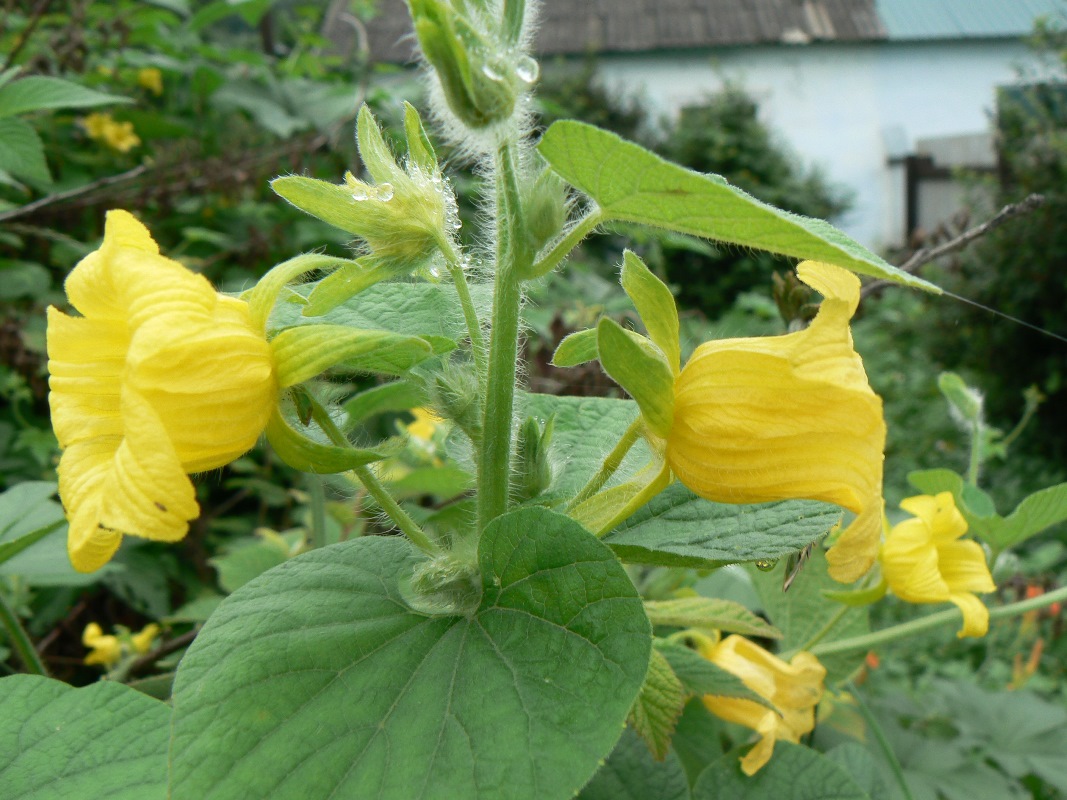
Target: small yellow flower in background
<point>161,376</point>
<point>142,642</point>
<point>923,561</point>
<point>788,417</point>
<point>118,136</point>
<point>106,650</point>
<point>425,425</point>
<point>151,79</point>
<point>794,688</point>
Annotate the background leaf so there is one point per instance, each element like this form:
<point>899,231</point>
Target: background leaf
<point>104,740</point>
<point>793,773</point>
<point>38,92</point>
<point>316,680</point>
<point>658,706</point>
<point>631,773</point>
<point>677,528</point>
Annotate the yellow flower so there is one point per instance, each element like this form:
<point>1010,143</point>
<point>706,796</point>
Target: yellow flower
<point>151,79</point>
<point>116,135</point>
<point>142,642</point>
<point>793,688</point>
<point>424,426</point>
<point>106,650</point>
<point>791,416</point>
<point>161,376</point>
<point>923,561</point>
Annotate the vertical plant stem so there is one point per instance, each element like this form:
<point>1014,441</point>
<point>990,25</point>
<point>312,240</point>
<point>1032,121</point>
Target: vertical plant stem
<point>494,466</point>
<point>883,743</point>
<point>976,455</point>
<point>317,496</point>
<point>19,639</point>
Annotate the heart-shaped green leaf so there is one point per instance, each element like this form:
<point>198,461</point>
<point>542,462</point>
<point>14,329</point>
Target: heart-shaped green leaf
<point>58,742</point>
<point>316,680</point>
<point>793,773</point>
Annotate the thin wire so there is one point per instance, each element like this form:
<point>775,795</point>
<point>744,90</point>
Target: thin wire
<point>1016,320</point>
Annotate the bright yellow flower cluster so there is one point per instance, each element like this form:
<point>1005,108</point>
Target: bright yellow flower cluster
<point>104,128</point>
<point>924,561</point>
<point>788,417</point>
<point>107,650</point>
<point>161,376</point>
<point>793,688</point>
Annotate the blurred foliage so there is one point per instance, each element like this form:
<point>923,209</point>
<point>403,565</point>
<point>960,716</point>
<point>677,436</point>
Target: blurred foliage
<point>1021,267</point>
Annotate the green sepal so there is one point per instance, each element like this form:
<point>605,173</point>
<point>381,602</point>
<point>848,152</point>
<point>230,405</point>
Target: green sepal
<point>330,202</point>
<point>305,454</point>
<point>305,351</point>
<point>858,597</point>
<point>640,368</point>
<point>603,511</point>
<point>376,155</point>
<point>262,297</point>
<point>577,348</point>
<point>655,304</point>
<point>396,396</point>
<point>420,151</point>
<point>658,706</point>
<point>348,281</point>
<point>709,613</point>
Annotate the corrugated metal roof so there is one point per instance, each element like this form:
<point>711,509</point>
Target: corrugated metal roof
<point>965,19</point>
<point>612,26</point>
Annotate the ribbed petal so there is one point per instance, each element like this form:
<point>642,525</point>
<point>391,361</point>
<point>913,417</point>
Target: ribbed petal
<point>786,417</point>
<point>211,381</point>
<point>964,568</point>
<point>91,285</point>
<point>83,470</point>
<point>975,614</point>
<point>85,361</point>
<point>146,491</point>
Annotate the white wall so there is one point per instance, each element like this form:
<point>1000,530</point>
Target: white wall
<point>834,103</point>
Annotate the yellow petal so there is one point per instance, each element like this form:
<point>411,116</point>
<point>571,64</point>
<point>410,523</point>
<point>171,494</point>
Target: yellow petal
<point>83,470</point>
<point>92,632</point>
<point>975,614</point>
<point>86,359</point>
<point>788,417</point>
<point>210,380</point>
<point>964,567</point>
<point>146,491</point>
<point>142,642</point>
<point>940,514</point>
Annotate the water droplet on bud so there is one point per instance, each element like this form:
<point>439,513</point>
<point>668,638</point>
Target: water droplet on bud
<point>435,272</point>
<point>385,192</point>
<point>527,70</point>
<point>766,564</point>
<point>489,71</point>
<point>360,194</point>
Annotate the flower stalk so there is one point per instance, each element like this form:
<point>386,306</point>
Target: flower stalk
<point>20,640</point>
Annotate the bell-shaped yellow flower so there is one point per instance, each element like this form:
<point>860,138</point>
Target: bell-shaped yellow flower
<point>794,688</point>
<point>923,561</point>
<point>792,416</point>
<point>161,376</point>
<point>106,650</point>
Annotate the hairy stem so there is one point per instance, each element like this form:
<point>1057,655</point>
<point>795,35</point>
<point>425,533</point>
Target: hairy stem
<point>370,482</point>
<point>494,466</point>
<point>612,461</point>
<point>571,239</point>
<point>470,314</point>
